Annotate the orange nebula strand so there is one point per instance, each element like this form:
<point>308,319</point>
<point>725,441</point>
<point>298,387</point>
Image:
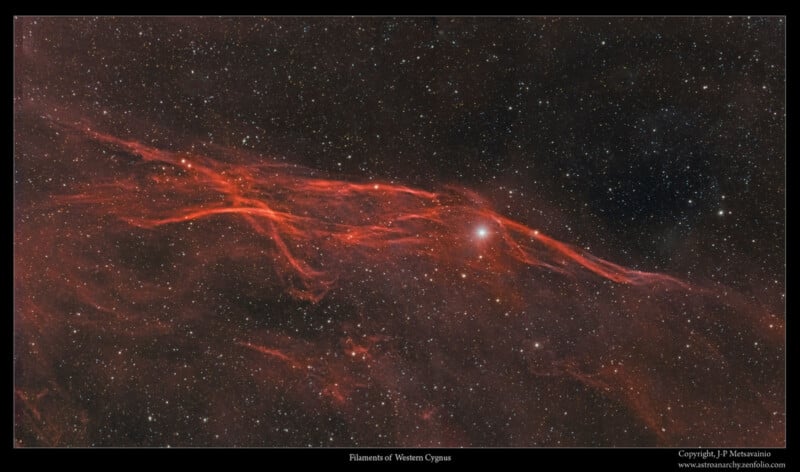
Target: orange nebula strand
<point>318,226</point>
<point>276,353</point>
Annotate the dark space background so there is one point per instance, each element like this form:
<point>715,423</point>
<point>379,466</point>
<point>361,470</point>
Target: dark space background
<point>654,143</point>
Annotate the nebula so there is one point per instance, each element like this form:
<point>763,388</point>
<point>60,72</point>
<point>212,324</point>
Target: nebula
<point>203,295</point>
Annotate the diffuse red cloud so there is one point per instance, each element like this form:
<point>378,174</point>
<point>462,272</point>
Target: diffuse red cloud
<point>451,323</point>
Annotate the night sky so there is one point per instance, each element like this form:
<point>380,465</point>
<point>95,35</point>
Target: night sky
<point>399,232</point>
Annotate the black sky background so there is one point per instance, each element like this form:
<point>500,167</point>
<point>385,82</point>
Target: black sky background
<point>654,143</point>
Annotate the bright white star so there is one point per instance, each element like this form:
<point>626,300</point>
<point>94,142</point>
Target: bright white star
<point>482,232</point>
